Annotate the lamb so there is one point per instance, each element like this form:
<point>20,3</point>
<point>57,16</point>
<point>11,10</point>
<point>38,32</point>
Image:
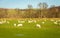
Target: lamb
<point>20,25</point>
<point>38,25</point>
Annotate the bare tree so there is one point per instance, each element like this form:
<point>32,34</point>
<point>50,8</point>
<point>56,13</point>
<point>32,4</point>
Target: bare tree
<point>42,7</point>
<point>30,6</point>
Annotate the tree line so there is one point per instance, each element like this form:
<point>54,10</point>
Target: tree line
<point>41,12</point>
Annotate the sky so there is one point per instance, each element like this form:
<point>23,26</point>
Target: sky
<point>22,4</point>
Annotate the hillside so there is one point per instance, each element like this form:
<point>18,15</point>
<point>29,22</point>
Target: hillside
<point>53,12</point>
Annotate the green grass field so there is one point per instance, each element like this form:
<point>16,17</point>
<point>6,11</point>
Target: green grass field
<point>29,30</point>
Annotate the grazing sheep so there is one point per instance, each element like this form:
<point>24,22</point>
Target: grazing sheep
<point>38,25</point>
<point>5,21</point>
<point>1,22</point>
<point>43,22</point>
<point>20,25</point>
<point>8,22</point>
<point>18,21</point>
<point>21,21</point>
<point>30,21</point>
<point>55,23</point>
<point>14,24</point>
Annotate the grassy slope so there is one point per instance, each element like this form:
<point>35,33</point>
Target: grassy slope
<point>48,30</point>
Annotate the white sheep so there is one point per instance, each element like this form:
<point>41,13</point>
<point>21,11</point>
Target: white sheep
<point>1,22</point>
<point>21,21</point>
<point>30,21</point>
<point>55,23</point>
<point>8,22</point>
<point>14,24</point>
<point>4,21</point>
<point>38,25</point>
<point>20,25</point>
<point>43,22</point>
<point>18,21</point>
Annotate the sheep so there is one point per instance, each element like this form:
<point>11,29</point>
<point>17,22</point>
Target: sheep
<point>4,21</point>
<point>55,23</point>
<point>21,21</point>
<point>1,22</point>
<point>8,22</point>
<point>18,21</point>
<point>20,25</point>
<point>38,25</point>
<point>43,22</point>
<point>30,21</point>
<point>14,24</point>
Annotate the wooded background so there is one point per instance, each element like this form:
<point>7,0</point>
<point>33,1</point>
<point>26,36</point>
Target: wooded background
<point>42,12</point>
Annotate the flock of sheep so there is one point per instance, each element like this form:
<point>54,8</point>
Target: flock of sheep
<point>29,21</point>
<point>20,23</point>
